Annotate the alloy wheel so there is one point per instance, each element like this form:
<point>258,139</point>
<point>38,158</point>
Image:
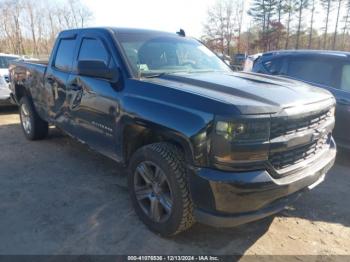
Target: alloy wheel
<point>152,191</point>
<point>25,117</point>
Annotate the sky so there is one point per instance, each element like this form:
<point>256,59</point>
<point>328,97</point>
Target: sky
<point>164,15</point>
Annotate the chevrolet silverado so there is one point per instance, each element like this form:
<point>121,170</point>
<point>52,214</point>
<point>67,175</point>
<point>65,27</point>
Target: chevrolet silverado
<point>201,142</point>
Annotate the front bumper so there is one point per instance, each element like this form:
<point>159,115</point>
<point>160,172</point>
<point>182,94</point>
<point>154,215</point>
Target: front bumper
<point>241,197</point>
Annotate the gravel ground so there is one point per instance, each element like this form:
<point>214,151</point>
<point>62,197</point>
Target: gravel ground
<point>59,197</point>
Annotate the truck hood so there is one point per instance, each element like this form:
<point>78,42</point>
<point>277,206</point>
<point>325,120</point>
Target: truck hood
<point>251,93</point>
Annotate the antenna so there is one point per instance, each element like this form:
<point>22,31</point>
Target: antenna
<point>181,33</point>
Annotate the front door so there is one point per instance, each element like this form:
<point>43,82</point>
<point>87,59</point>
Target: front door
<point>93,102</point>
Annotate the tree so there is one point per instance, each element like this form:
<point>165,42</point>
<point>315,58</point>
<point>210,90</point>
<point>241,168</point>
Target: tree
<point>311,23</point>
<point>222,24</point>
<point>336,24</point>
<point>239,14</point>
<point>327,5</point>
<point>346,24</point>
<point>30,26</point>
<point>263,12</point>
<point>280,12</point>
<point>290,9</point>
<point>301,5</point>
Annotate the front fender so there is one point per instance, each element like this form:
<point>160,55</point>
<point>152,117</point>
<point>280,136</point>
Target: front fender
<point>184,126</point>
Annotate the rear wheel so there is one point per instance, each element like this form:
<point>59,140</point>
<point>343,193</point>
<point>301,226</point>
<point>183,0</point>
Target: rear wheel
<point>159,189</point>
<point>33,126</point>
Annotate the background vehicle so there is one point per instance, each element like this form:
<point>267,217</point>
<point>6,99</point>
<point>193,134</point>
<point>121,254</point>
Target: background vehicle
<point>4,80</point>
<point>326,69</point>
<point>201,143</point>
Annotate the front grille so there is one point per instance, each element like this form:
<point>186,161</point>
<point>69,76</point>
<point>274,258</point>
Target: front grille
<point>290,126</point>
<point>281,160</point>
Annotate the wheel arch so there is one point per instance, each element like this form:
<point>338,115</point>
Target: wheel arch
<point>21,91</point>
<point>135,136</point>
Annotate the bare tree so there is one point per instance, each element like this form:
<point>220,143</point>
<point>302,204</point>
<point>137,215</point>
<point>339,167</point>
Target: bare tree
<point>290,9</point>
<point>346,24</point>
<point>336,24</point>
<point>239,15</point>
<point>301,6</point>
<point>311,23</point>
<point>30,26</point>
<point>327,5</point>
<point>222,24</point>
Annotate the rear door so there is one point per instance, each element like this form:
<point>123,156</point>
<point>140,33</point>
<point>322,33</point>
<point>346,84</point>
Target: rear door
<point>56,78</point>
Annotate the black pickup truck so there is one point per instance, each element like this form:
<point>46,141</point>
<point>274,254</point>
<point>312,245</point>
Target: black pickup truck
<point>201,143</point>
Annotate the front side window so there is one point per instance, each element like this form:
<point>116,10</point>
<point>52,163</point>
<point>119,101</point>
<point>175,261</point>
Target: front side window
<point>313,70</point>
<point>64,55</point>
<point>93,50</point>
<point>345,78</point>
<point>152,53</point>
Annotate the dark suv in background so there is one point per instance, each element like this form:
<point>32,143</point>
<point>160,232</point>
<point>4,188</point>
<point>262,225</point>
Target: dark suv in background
<point>326,69</point>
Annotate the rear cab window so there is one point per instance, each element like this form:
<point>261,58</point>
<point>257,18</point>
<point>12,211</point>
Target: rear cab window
<point>275,66</point>
<point>345,78</point>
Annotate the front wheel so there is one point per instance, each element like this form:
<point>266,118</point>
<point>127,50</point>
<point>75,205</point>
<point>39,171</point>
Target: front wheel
<point>33,126</point>
<point>159,189</point>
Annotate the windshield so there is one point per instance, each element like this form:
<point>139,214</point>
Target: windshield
<point>5,61</point>
<point>152,54</point>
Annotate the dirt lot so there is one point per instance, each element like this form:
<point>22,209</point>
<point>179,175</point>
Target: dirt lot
<point>59,197</point>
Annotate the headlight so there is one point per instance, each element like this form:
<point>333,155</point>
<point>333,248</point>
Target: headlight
<point>241,144</point>
<point>244,131</point>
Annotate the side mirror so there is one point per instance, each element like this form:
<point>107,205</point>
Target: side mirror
<point>97,69</point>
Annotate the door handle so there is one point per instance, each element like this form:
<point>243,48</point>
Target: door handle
<point>343,101</point>
<point>75,87</point>
<point>50,80</point>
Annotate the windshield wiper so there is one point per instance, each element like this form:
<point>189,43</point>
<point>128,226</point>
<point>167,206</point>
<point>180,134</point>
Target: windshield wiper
<point>155,75</point>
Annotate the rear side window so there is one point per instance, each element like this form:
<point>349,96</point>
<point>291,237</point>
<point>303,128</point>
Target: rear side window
<point>314,70</point>
<point>93,49</point>
<point>65,54</point>
<point>345,78</point>
<point>274,66</point>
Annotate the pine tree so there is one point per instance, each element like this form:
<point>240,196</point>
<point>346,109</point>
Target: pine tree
<point>311,23</point>
<point>327,5</point>
<point>289,9</point>
<point>346,23</point>
<point>263,12</point>
<point>301,5</point>
<point>336,25</point>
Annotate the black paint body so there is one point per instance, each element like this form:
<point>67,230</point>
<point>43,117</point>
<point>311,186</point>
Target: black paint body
<point>117,118</point>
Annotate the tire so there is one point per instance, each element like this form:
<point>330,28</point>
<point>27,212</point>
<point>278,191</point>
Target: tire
<point>33,126</point>
<point>165,162</point>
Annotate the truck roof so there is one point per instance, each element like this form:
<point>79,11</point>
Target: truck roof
<point>306,52</point>
<point>115,29</point>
